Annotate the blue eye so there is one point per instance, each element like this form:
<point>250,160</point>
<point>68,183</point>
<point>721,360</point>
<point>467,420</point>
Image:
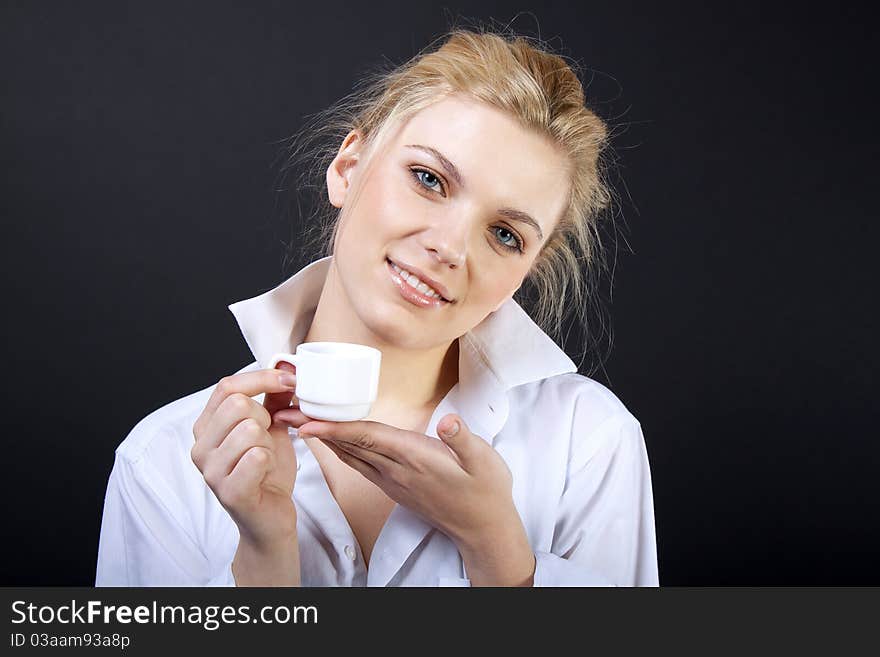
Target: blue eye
<point>429,175</point>
<point>425,179</point>
<point>515,245</point>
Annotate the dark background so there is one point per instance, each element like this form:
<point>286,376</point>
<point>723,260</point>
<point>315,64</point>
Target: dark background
<point>138,143</point>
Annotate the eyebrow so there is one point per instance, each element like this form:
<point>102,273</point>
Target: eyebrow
<point>455,174</point>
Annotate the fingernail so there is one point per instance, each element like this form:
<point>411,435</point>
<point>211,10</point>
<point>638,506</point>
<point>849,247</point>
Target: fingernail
<point>287,379</point>
<point>451,431</point>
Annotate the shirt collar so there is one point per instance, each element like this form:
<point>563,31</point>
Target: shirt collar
<point>505,350</point>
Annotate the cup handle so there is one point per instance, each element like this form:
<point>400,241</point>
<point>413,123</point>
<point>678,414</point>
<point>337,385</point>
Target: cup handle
<point>289,358</point>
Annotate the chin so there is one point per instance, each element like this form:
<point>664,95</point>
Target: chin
<point>402,336</point>
<point>388,325</point>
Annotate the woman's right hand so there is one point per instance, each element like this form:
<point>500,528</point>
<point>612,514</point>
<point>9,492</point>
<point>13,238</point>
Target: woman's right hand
<point>248,459</point>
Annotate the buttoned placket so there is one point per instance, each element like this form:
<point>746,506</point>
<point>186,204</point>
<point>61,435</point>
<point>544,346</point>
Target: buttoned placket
<point>404,530</point>
<point>480,399</point>
<point>400,535</point>
<point>320,504</point>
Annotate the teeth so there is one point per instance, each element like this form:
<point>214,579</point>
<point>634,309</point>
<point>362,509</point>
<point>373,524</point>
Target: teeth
<point>413,281</point>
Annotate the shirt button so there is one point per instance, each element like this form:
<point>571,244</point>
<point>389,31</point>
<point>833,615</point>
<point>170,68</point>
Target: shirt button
<point>350,552</point>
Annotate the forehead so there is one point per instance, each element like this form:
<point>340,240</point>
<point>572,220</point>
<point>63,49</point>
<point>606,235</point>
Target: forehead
<point>502,163</point>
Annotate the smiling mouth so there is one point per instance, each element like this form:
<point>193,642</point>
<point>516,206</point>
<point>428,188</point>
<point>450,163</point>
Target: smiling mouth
<point>412,294</point>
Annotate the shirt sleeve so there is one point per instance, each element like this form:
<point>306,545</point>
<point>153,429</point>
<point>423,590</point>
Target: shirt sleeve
<point>605,534</point>
<point>144,540</point>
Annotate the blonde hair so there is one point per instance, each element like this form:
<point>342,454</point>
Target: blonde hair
<point>534,85</point>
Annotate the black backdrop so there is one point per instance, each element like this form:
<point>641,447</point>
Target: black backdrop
<point>137,151</point>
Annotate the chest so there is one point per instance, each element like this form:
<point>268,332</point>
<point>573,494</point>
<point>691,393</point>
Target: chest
<point>365,505</point>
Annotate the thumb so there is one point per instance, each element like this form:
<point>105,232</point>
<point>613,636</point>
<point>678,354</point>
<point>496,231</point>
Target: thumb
<point>452,430</point>
<point>276,401</point>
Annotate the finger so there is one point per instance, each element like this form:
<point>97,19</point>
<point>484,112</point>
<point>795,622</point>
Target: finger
<point>232,410</point>
<point>248,474</point>
<point>292,417</point>
<point>374,436</point>
<point>279,399</point>
<point>379,461</point>
<point>249,384</point>
<point>244,436</point>
<point>367,470</point>
<point>463,443</point>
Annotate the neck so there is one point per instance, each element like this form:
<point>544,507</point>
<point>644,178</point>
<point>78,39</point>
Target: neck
<point>409,378</point>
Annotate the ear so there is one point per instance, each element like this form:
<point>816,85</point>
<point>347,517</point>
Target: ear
<point>341,169</point>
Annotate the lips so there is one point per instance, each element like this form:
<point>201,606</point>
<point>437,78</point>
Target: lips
<point>411,294</point>
<point>438,287</point>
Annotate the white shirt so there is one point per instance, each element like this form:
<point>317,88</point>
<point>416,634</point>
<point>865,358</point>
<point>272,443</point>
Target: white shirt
<point>581,478</point>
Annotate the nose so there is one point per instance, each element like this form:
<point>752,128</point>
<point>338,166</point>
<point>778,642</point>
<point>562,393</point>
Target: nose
<point>446,256</point>
<point>447,243</point>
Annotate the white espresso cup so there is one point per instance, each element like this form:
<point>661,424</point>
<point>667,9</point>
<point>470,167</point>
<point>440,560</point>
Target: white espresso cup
<point>335,381</point>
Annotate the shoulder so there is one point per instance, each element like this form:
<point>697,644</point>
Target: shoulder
<point>579,398</point>
<point>168,428</point>
<point>584,413</point>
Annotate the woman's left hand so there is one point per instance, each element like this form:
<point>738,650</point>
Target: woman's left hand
<point>459,484</point>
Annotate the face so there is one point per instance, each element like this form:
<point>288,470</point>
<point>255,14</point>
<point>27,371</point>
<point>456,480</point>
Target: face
<point>462,197</point>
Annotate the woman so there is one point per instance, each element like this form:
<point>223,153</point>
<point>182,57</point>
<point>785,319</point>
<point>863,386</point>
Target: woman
<point>462,174</point>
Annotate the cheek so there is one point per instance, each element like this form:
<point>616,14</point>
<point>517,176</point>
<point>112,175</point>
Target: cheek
<point>390,191</point>
<point>488,295</point>
<point>377,208</point>
<point>397,210</point>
